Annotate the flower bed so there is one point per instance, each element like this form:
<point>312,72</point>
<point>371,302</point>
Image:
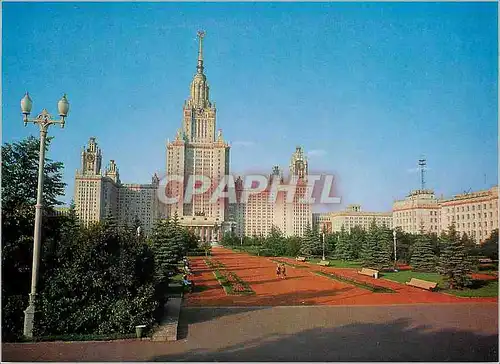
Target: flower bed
<point>231,283</point>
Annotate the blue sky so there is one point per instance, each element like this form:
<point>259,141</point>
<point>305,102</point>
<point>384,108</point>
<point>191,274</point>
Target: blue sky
<point>365,88</point>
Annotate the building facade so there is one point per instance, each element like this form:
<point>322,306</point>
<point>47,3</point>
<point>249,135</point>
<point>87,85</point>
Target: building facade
<point>475,213</point>
<point>258,213</point>
<point>418,212</point>
<point>198,150</point>
<point>353,216</point>
<point>101,195</point>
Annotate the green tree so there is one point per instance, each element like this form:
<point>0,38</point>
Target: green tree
<point>101,282</point>
<point>370,245</point>
<point>454,264</point>
<point>489,248</point>
<point>274,242</point>
<point>309,243</point>
<point>292,246</point>
<point>19,190</point>
<point>357,239</point>
<point>383,250</point>
<point>343,247</point>
<point>423,258</point>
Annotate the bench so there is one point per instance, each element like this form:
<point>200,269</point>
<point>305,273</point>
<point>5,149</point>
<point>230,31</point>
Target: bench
<point>420,283</point>
<point>369,272</point>
<point>300,259</point>
<point>485,261</point>
<point>324,263</point>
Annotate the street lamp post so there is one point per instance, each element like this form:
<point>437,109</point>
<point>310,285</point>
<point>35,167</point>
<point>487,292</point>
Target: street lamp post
<point>324,245</point>
<point>394,235</point>
<point>44,120</point>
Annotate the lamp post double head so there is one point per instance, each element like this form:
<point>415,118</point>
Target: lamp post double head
<point>43,120</point>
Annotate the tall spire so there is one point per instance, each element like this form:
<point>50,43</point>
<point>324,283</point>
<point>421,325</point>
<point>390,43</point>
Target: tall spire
<point>201,35</point>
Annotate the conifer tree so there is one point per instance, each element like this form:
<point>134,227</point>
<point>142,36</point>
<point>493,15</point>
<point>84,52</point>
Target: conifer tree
<point>453,262</point>
<point>357,239</point>
<point>370,245</point>
<point>343,248</point>
<point>309,242</point>
<point>383,249</point>
<point>422,256</point>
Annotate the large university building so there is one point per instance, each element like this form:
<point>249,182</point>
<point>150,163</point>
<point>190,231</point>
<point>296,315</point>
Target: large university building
<point>474,213</point>
<point>100,195</point>
<point>258,213</point>
<point>198,150</point>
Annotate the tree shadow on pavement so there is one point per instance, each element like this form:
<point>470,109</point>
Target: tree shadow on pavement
<point>392,341</point>
<point>192,315</point>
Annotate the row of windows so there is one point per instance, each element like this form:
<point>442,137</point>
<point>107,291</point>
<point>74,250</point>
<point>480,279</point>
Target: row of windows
<point>478,206</point>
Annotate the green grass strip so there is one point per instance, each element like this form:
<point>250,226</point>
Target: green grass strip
<point>370,287</point>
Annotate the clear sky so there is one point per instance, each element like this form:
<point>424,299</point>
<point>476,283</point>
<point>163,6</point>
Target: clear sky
<point>365,88</point>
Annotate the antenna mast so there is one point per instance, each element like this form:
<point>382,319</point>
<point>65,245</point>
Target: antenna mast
<point>422,163</point>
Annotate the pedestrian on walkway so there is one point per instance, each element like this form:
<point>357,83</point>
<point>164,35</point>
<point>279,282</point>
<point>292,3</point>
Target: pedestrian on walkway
<point>283,271</point>
<point>278,270</point>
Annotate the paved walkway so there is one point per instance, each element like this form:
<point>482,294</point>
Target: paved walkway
<point>428,332</point>
<point>302,286</point>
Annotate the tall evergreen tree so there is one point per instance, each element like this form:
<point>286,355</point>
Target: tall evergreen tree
<point>309,242</point>
<point>423,258</point>
<point>370,245</point>
<point>383,250</point>
<point>343,248</point>
<point>357,239</point>
<point>454,264</point>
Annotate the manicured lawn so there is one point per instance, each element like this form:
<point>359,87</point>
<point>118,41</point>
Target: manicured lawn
<point>489,289</point>
<point>480,288</point>
<point>406,275</point>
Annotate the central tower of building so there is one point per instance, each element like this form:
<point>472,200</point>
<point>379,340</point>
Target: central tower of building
<point>198,150</point>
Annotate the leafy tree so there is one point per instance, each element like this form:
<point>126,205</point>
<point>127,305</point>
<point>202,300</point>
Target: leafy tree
<point>101,282</point>
<point>275,242</point>
<point>454,264</point>
<point>423,258</point>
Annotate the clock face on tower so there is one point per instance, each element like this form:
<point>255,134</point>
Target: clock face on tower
<point>90,161</point>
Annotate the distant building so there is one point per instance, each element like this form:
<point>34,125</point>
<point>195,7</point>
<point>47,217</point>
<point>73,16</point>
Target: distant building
<point>475,213</point>
<point>353,216</point>
<point>419,211</point>
<point>263,210</point>
<point>322,222</point>
<point>99,195</point>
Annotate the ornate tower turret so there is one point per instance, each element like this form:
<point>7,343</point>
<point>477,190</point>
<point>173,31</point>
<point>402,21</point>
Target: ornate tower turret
<point>199,114</point>
<point>298,163</point>
<point>91,158</point>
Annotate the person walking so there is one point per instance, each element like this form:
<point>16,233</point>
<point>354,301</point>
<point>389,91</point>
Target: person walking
<point>278,270</point>
<point>283,271</point>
